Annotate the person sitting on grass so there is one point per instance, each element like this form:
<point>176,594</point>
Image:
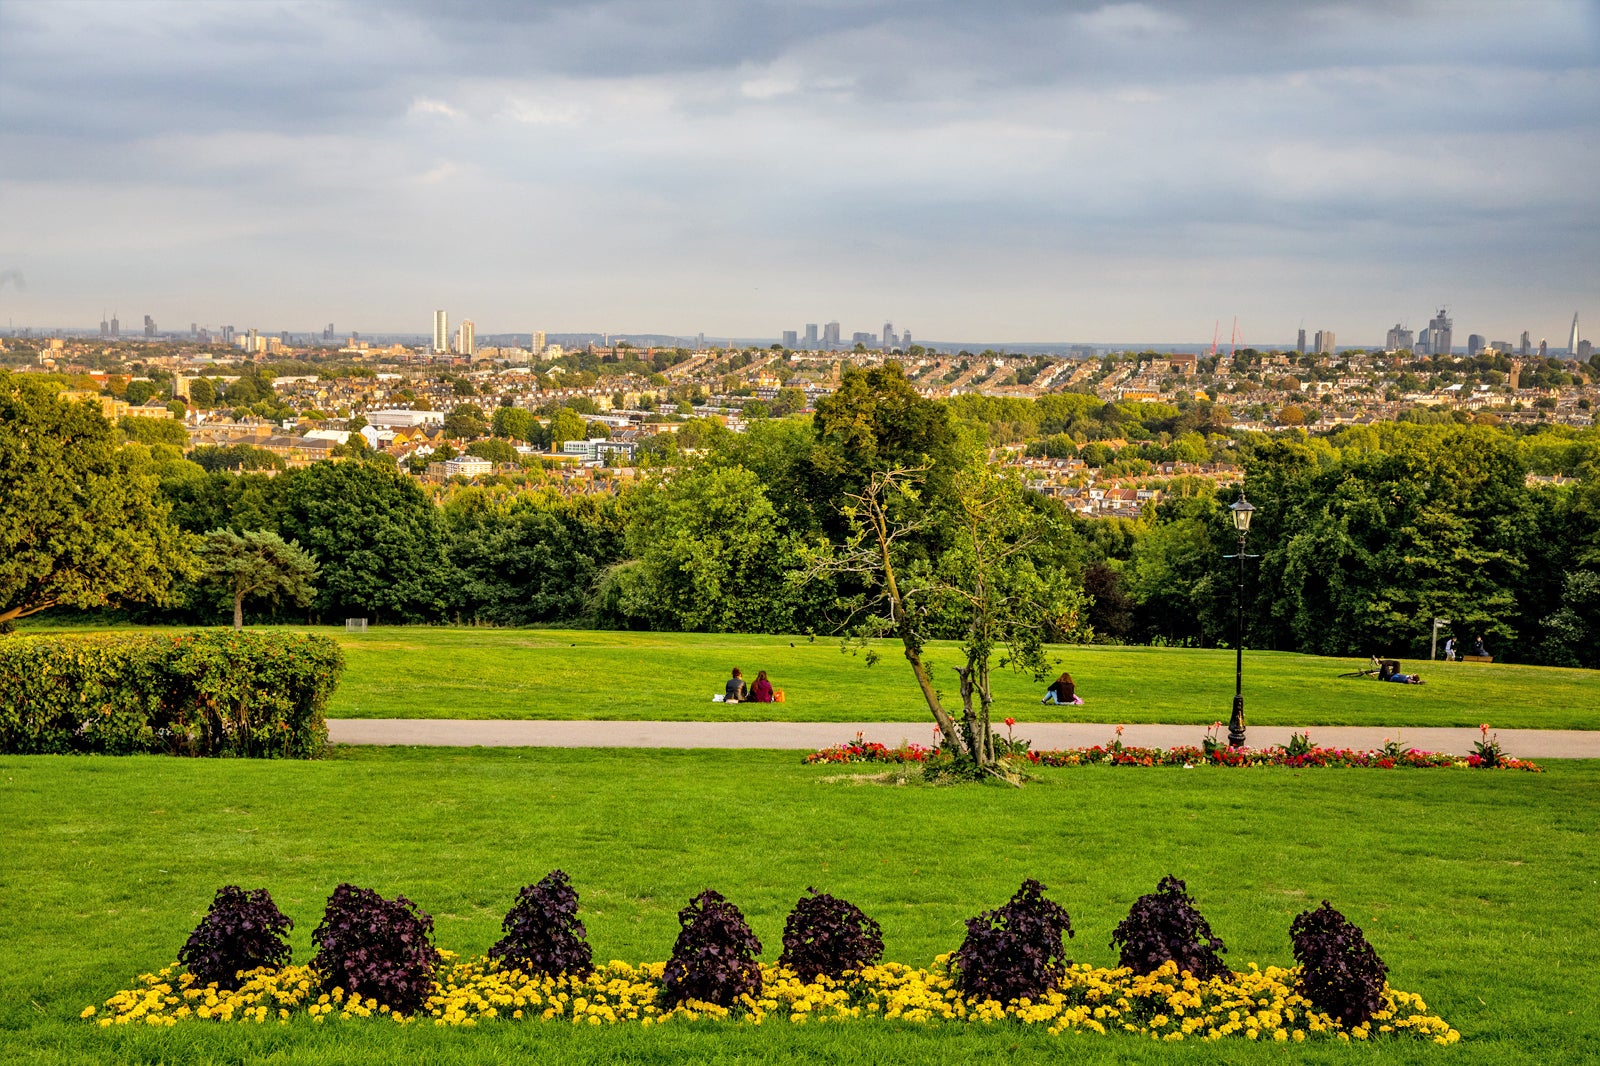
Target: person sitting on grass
<point>761,691</point>
<point>1062,691</point>
<point>735,690</point>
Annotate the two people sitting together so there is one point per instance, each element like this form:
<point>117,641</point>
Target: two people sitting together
<point>1062,691</point>
<point>737,691</point>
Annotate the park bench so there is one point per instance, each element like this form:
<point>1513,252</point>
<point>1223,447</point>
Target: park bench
<point>1477,658</point>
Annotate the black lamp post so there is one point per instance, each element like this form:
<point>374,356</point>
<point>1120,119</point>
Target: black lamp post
<point>1242,509</point>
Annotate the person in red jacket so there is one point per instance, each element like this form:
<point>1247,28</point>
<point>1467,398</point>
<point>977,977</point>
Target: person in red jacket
<point>761,691</point>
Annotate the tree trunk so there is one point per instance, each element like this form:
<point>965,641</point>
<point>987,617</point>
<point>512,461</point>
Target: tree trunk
<point>238,610</point>
<point>913,654</point>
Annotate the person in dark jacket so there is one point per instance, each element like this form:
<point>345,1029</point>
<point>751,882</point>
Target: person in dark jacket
<point>735,690</point>
<point>1061,691</point>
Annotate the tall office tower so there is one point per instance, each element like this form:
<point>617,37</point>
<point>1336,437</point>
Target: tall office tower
<point>105,326</point>
<point>790,338</point>
<point>1300,343</point>
<point>905,340</point>
<point>536,343</point>
<point>811,336</point>
<point>1526,345</point>
<point>227,334</point>
<point>1439,341</point>
<point>441,332</point>
<point>1399,339</point>
<point>149,326</point>
<point>1474,345</point>
<point>830,335</point>
<point>283,336</point>
<point>116,326</point>
<point>327,333</point>
<point>1324,342</point>
<point>194,329</point>
<point>1572,338</point>
<point>466,338</point>
<point>1544,349</point>
<point>889,339</point>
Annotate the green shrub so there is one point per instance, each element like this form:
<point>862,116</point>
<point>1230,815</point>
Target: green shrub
<point>208,692</point>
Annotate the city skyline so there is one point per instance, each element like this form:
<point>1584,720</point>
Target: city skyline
<point>1093,173</point>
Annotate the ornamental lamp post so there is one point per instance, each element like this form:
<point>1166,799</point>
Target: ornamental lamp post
<point>1242,510</point>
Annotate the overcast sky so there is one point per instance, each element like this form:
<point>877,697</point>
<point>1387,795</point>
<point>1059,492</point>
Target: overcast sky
<point>987,171</point>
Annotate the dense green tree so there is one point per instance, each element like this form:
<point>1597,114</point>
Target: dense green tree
<point>154,430</point>
<point>513,423</point>
<point>494,450</point>
<point>566,424</point>
<point>258,564</point>
<point>211,457</point>
<point>81,524</point>
<point>466,422</point>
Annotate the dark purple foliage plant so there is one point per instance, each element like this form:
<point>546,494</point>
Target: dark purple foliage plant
<point>1164,926</point>
<point>1015,951</point>
<point>543,934</point>
<point>714,959</point>
<point>376,948</point>
<point>242,931</point>
<point>826,935</point>
<point>1339,972</point>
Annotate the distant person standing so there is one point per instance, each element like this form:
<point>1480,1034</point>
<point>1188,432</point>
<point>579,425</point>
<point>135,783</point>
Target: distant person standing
<point>1450,650</point>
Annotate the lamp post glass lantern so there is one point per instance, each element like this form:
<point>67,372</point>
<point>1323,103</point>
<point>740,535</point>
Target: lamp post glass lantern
<point>1242,509</point>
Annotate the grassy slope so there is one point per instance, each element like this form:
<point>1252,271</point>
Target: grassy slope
<point>1478,889</point>
<point>427,672</point>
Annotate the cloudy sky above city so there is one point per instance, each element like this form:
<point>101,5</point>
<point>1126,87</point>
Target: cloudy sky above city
<point>998,171</point>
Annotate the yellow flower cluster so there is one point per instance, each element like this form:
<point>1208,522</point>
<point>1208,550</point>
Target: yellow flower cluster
<point>1255,1004</point>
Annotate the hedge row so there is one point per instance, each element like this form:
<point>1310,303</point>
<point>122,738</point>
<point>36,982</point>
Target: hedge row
<point>209,692</point>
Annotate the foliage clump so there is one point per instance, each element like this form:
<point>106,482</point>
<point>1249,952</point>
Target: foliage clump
<point>828,936</point>
<point>1016,950</point>
<point>376,948</point>
<point>714,958</point>
<point>1164,926</point>
<point>1340,973</point>
<point>242,931</point>
<point>543,933</point>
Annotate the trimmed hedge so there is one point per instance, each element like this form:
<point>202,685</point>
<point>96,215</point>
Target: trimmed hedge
<point>208,692</point>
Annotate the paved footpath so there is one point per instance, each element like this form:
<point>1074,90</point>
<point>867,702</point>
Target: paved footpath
<point>447,732</point>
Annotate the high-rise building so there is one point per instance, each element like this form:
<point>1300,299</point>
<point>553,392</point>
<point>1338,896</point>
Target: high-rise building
<point>327,333</point>
<point>283,336</point>
<point>830,335</point>
<point>1300,343</point>
<point>811,335</point>
<point>791,338</point>
<point>1324,342</point>
<point>1572,338</point>
<point>105,326</point>
<point>466,338</point>
<point>536,343</point>
<point>116,326</point>
<point>1439,333</point>
<point>1400,339</point>
<point>149,326</point>
<point>227,334</point>
<point>1526,345</point>
<point>905,340</point>
<point>441,333</point>
<point>1474,345</point>
<point>1544,349</point>
<point>889,339</point>
<point>194,329</point>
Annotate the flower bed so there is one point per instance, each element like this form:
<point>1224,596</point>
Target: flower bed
<point>1256,1004</point>
<point>1390,757</point>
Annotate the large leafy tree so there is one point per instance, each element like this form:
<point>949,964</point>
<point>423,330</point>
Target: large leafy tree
<point>81,524</point>
<point>257,563</point>
<point>377,539</point>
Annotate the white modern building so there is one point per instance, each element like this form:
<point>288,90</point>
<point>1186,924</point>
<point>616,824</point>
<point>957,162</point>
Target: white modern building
<point>441,332</point>
<point>404,419</point>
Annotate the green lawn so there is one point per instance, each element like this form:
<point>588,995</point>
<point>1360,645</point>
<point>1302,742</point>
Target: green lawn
<point>1479,889</point>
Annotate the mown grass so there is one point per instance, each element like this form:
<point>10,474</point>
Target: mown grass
<point>437,672</point>
<point>1479,889</point>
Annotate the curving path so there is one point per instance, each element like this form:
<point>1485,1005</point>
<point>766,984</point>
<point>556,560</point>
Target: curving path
<point>444,732</point>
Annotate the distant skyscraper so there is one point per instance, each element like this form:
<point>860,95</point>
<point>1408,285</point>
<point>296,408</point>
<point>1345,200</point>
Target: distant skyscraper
<point>149,326</point>
<point>830,335</point>
<point>1544,349</point>
<point>227,334</point>
<point>441,332</point>
<point>1324,342</point>
<point>1300,343</point>
<point>811,335</point>
<point>1526,345</point>
<point>905,340</point>
<point>1572,338</point>
<point>105,327</point>
<point>194,329</point>
<point>889,339</point>
<point>116,326</point>
<point>327,333</point>
<point>1400,339</point>
<point>1439,334</point>
<point>536,343</point>
<point>466,338</point>
<point>1474,345</point>
<point>791,339</point>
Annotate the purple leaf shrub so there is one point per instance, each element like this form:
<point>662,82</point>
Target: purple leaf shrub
<point>376,948</point>
<point>1016,950</point>
<point>1339,972</point>
<point>1164,926</point>
<point>714,958</point>
<point>242,931</point>
<point>826,935</point>
<point>543,934</point>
